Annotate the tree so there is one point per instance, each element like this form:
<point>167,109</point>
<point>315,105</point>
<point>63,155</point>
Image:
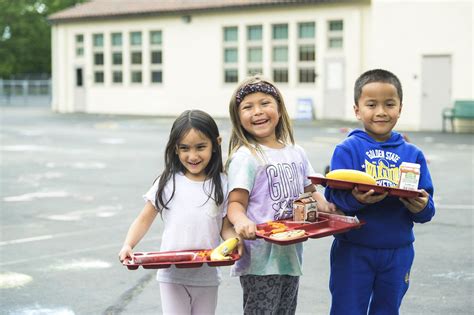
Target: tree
<point>25,35</point>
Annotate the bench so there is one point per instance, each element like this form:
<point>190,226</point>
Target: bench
<point>462,109</point>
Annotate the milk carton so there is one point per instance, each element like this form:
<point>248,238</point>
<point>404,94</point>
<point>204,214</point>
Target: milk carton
<point>409,176</point>
<point>305,208</point>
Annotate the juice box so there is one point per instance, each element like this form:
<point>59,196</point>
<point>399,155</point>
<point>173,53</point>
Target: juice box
<point>409,176</point>
<point>305,208</point>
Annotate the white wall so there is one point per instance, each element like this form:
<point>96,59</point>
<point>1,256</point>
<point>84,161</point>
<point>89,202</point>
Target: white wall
<point>391,34</point>
<point>192,60</point>
<point>402,31</point>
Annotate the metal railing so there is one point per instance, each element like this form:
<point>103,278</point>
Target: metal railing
<point>25,92</point>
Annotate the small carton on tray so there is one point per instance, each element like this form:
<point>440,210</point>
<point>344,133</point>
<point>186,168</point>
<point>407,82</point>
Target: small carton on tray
<point>305,208</point>
<point>181,259</point>
<point>348,185</point>
<point>288,232</point>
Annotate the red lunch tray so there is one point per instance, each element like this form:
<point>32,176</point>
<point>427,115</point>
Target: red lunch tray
<point>194,260</point>
<point>327,224</point>
<point>347,185</point>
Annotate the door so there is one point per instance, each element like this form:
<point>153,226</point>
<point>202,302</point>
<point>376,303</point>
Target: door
<point>436,90</point>
<point>334,89</point>
<point>79,91</point>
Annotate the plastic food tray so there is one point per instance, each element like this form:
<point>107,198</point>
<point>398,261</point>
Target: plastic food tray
<point>196,262</point>
<point>326,225</point>
<point>347,185</point>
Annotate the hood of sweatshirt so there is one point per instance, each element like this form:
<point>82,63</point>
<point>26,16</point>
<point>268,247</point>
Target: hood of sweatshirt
<point>395,139</point>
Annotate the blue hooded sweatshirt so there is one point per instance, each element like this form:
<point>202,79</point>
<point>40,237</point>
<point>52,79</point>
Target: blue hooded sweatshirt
<point>389,224</point>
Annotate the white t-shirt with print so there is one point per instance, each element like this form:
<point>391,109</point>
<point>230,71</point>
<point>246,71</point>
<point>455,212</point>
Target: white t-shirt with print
<point>191,222</point>
<point>273,183</point>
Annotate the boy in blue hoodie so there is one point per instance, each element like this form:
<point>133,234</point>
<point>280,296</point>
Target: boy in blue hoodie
<point>370,266</point>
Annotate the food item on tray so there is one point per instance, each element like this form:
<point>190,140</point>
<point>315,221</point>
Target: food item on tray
<point>147,258</point>
<point>351,176</point>
<point>277,227</point>
<point>204,254</point>
<point>305,208</point>
<point>288,235</point>
<point>223,251</point>
<point>409,176</point>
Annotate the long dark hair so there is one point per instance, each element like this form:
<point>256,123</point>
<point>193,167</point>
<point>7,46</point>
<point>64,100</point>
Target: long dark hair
<point>205,124</point>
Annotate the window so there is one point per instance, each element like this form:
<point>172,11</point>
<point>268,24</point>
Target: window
<point>116,39</point>
<point>98,40</point>
<point>79,77</point>
<point>335,34</point>
<point>280,53</point>
<point>136,58</point>
<point>79,45</point>
<point>231,75</point>
<point>136,77</point>
<point>306,53</point>
<point>99,77</point>
<point>253,71</point>
<point>306,43</point>
<point>254,49</point>
<point>156,77</point>
<point>117,76</point>
<point>280,75</point>
<point>117,58</point>
<point>306,30</point>
<point>135,38</point>
<point>254,54</point>
<point>98,59</point>
<point>230,34</point>
<point>231,54</point>
<point>306,75</point>
<point>136,61</point>
<point>280,31</point>
<point>155,37</point>
<point>156,56</point>
<point>335,25</point>
<point>254,33</point>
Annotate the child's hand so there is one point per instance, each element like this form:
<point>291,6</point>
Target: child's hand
<point>246,229</point>
<point>329,207</point>
<point>367,197</point>
<point>240,247</point>
<point>125,253</point>
<point>416,204</point>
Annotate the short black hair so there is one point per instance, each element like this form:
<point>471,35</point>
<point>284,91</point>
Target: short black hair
<point>376,75</point>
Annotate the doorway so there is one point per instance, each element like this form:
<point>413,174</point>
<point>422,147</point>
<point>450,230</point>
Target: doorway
<point>334,89</point>
<point>436,90</point>
<point>79,91</point>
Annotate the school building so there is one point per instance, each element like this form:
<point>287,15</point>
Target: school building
<point>162,57</point>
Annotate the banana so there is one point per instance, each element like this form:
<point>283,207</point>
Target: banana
<point>223,251</point>
<point>351,176</point>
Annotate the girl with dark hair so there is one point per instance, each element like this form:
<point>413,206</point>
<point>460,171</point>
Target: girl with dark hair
<point>190,196</point>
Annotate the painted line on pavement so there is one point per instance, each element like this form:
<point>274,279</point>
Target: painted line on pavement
<point>71,252</point>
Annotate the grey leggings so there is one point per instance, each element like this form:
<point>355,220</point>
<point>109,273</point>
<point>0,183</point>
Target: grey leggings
<point>269,295</point>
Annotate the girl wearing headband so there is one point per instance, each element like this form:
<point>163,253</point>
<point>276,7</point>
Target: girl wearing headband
<point>266,171</point>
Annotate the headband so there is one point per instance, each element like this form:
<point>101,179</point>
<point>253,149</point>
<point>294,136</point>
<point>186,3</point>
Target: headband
<point>254,88</point>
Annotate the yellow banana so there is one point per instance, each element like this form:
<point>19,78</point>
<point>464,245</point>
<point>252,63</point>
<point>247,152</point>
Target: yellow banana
<point>351,176</point>
<point>223,251</point>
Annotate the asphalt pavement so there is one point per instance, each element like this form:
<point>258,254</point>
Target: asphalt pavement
<point>71,184</point>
